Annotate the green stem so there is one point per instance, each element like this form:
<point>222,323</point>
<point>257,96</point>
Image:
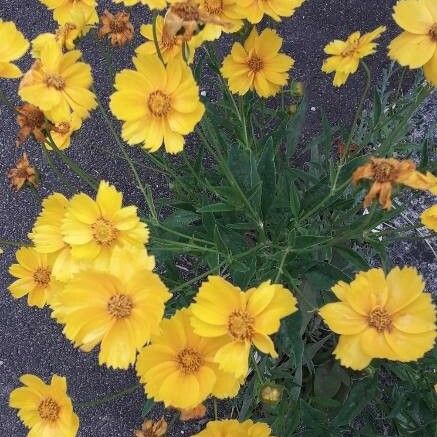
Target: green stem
<point>215,409</point>
<point>155,36</point>
<point>281,265</point>
<point>53,166</point>
<point>109,398</point>
<point>256,368</point>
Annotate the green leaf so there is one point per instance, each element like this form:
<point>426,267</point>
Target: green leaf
<point>353,257</point>
<point>328,379</point>
<point>308,241</point>
<point>147,407</point>
<point>294,200</point>
<point>267,173</point>
<point>218,240</point>
<point>216,207</point>
<point>294,128</point>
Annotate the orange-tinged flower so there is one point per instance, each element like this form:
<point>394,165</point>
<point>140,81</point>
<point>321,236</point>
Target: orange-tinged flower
<point>197,412</point>
<point>381,316</point>
<point>152,429</point>
<point>117,27</point>
<point>31,121</point>
<point>429,218</point>
<point>23,173</point>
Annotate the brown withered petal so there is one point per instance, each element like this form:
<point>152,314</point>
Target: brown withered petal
<point>193,413</point>
<point>117,27</point>
<point>152,429</point>
<point>31,121</point>
<point>23,173</point>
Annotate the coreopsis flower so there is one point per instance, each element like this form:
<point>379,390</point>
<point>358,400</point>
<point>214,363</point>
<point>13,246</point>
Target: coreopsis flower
<point>416,46</point>
<point>231,427</point>
<point>429,218</point>
<point>158,104</point>
<point>14,45</point>
<point>381,316</point>
<point>344,56</point>
<point>46,409</point>
<point>178,367</point>
<point>254,10</point>
<point>23,174</point>
<point>119,307</point>
<point>62,131</point>
<point>31,121</point>
<point>94,228</point>
<point>59,84</point>
<point>195,413</point>
<point>421,181</point>
<point>271,394</point>
<point>385,173</point>
<point>152,429</point>
<point>170,47</point>
<point>34,273</point>
<point>257,65</point>
<point>240,319</point>
<point>117,27</point>
<point>66,11</point>
<point>152,4</point>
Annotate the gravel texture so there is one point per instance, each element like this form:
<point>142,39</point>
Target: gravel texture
<point>33,343</point>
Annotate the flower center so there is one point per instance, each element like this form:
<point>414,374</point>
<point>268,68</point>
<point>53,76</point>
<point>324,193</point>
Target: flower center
<point>56,81</point>
<point>380,319</point>
<point>240,325</point>
<point>49,410</point>
<point>187,12</point>
<point>214,7</point>
<point>255,63</point>
<point>159,103</point>
<point>42,276</point>
<point>433,32</point>
<point>383,172</point>
<point>120,306</point>
<point>104,232</point>
<point>189,361</point>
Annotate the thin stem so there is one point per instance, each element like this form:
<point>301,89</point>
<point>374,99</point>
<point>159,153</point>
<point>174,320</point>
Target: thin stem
<point>109,398</point>
<point>281,265</point>
<point>155,36</point>
<point>53,166</point>
<point>215,409</point>
<point>256,368</point>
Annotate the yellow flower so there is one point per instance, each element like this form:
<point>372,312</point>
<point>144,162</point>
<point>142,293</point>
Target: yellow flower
<point>170,47</point>
<point>34,273</point>
<point>158,104</point>
<point>94,228</point>
<point>345,56</point>
<point>420,181</point>
<point>62,131</point>
<point>14,46</point>
<point>65,11</point>
<point>429,218</point>
<point>254,10</point>
<point>47,237</point>
<point>45,409</point>
<point>178,367</point>
<point>381,317</point>
<point>118,307</point>
<point>417,46</point>
<point>240,319</point>
<point>152,4</point>
<point>58,84</point>
<point>257,65</point>
<point>225,428</point>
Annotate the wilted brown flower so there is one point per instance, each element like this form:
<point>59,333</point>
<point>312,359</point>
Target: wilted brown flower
<point>23,173</point>
<point>118,27</point>
<point>193,413</point>
<point>341,148</point>
<point>31,121</point>
<point>152,429</point>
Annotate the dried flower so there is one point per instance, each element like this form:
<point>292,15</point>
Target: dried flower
<point>152,429</point>
<point>31,121</point>
<point>117,27</point>
<point>193,413</point>
<point>23,173</point>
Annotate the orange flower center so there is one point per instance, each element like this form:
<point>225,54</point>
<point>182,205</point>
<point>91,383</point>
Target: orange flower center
<point>240,325</point>
<point>120,306</point>
<point>383,172</point>
<point>380,319</point>
<point>42,276</point>
<point>62,128</point>
<point>104,232</point>
<point>189,361</point>
<point>159,103</point>
<point>49,410</point>
<point>214,7</point>
<point>433,32</point>
<point>55,81</point>
<point>255,63</point>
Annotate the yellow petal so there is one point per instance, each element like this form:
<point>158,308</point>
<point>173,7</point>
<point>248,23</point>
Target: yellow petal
<point>413,16</point>
<point>350,352</point>
<point>342,319</point>
<point>412,50</point>
<point>234,358</point>
<point>430,70</point>
<point>410,347</point>
<point>375,345</point>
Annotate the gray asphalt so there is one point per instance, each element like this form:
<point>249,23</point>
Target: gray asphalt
<point>30,341</point>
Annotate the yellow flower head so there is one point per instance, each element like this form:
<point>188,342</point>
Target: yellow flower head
<point>62,131</point>
<point>58,84</point>
<point>34,273</point>
<point>381,317</point>
<point>14,45</point>
<point>170,47</point>
<point>345,56</point>
<point>93,228</point>
<point>178,367</point>
<point>417,46</point>
<point>257,65</point>
<point>118,307</point>
<point>158,104</point>
<point>254,10</point>
<point>429,218</point>
<point>152,4</point>
<point>45,409</point>
<point>240,319</point>
<point>225,428</point>
<point>66,11</point>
